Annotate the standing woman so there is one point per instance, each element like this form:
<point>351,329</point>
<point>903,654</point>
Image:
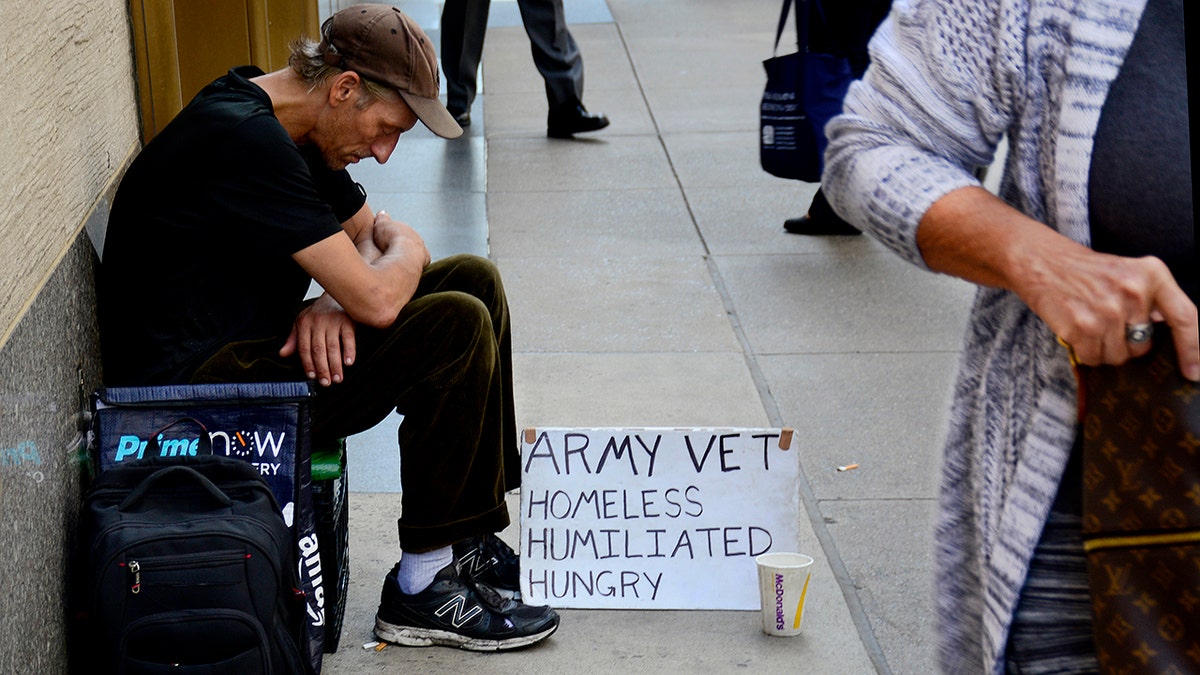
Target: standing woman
<point>1091,234</point>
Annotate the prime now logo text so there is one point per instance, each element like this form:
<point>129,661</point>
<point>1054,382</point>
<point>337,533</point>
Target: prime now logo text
<point>263,444</point>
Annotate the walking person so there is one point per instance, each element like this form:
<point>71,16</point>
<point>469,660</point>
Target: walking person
<point>555,54</point>
<point>842,28</point>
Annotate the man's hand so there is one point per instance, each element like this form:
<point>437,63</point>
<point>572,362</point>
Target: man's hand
<point>323,337</point>
<point>389,236</point>
<point>372,267</point>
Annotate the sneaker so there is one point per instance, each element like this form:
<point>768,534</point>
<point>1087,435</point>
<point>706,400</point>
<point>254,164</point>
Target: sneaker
<point>489,560</point>
<point>457,612</point>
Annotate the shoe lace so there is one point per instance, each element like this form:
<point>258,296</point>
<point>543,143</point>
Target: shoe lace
<point>502,552</point>
<point>489,595</point>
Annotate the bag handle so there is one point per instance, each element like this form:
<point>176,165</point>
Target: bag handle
<point>204,444</point>
<point>801,24</point>
<point>139,493</point>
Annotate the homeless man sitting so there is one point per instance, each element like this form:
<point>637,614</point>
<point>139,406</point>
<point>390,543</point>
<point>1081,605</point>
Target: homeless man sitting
<point>216,232</point>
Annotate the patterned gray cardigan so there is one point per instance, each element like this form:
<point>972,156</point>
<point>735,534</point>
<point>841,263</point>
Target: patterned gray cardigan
<point>948,79</point>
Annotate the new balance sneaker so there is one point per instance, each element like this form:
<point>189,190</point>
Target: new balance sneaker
<point>458,612</point>
<point>489,560</point>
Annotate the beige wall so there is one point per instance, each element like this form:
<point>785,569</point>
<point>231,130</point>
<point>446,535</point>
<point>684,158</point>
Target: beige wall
<point>67,102</point>
<point>70,126</point>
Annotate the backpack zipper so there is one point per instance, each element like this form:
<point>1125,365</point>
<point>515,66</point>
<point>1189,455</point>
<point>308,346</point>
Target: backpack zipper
<point>135,571</point>
<point>136,581</point>
<point>159,563</point>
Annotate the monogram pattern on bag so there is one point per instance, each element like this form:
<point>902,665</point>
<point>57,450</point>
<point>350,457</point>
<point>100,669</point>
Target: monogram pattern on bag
<point>1149,626</point>
<point>1141,477</point>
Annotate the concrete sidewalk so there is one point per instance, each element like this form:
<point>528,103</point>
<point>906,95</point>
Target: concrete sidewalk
<point>652,285</point>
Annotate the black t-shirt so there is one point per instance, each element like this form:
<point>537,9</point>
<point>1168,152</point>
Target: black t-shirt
<point>202,230</point>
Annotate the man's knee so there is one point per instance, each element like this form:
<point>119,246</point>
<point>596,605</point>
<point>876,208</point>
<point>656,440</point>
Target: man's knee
<point>462,319</point>
<point>474,275</point>
<point>462,308</point>
<point>474,268</point>
<point>463,333</point>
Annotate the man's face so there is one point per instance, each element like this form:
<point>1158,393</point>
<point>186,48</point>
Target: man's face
<point>349,132</point>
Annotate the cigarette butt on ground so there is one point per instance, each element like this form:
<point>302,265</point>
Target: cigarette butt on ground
<point>848,467</point>
<point>372,645</point>
<point>381,646</point>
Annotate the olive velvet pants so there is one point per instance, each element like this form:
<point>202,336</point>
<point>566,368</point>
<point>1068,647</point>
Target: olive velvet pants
<point>445,364</point>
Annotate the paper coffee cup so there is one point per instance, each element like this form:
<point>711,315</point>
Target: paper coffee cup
<point>783,585</point>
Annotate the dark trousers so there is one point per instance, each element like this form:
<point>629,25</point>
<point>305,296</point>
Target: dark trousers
<point>820,211</point>
<point>463,25</point>
<point>555,53</point>
<point>446,366</point>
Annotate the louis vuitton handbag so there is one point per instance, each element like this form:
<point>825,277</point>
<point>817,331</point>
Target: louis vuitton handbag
<point>1141,506</point>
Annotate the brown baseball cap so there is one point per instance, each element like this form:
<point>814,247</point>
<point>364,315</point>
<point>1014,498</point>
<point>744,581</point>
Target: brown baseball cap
<point>383,44</point>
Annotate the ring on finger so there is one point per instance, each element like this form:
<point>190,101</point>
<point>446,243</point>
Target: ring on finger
<point>1138,333</point>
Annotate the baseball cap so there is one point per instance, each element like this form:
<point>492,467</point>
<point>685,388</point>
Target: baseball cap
<point>383,44</point>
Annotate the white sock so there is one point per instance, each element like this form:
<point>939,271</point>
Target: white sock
<point>417,570</point>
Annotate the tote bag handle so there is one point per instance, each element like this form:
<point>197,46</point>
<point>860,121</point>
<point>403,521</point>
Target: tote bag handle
<point>801,25</point>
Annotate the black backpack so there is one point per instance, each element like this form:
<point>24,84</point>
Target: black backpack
<point>186,566</point>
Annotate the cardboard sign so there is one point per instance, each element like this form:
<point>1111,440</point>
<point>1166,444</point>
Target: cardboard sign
<point>654,518</point>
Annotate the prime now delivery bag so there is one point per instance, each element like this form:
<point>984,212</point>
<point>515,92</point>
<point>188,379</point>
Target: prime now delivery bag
<point>263,424</point>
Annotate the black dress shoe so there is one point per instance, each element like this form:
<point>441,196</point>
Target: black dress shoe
<point>460,115</point>
<point>566,121</point>
<point>808,225</point>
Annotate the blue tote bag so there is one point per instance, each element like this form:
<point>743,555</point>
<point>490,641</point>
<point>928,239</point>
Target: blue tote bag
<point>804,91</point>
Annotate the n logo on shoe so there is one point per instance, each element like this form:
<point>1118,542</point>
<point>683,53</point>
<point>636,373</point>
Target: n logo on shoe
<point>461,614</point>
<point>476,563</point>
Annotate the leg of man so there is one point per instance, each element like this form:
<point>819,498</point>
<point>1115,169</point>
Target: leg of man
<point>558,60</point>
<point>821,219</point>
<point>463,27</point>
<point>445,364</point>
<point>555,52</point>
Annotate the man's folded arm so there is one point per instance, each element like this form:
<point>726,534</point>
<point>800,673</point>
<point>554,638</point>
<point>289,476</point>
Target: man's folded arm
<point>371,269</point>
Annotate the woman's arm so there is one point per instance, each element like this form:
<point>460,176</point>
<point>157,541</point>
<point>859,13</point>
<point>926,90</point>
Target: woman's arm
<point>1087,298</point>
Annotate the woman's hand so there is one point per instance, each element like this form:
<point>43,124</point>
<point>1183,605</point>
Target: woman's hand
<point>1090,299</point>
<point>1087,298</point>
